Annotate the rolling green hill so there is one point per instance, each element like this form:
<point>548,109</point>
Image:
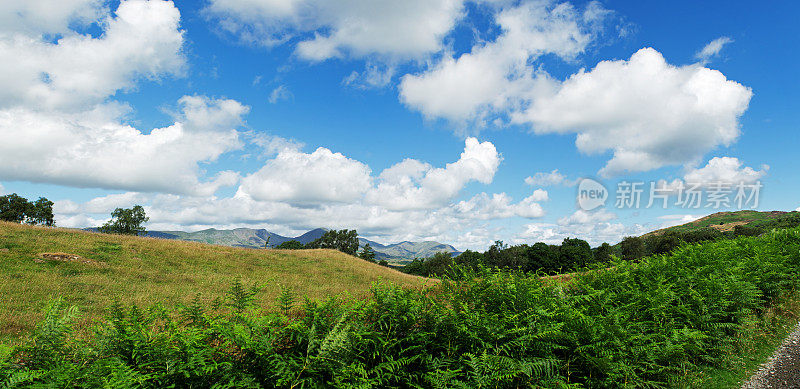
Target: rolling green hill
<point>92,270</point>
<point>727,221</point>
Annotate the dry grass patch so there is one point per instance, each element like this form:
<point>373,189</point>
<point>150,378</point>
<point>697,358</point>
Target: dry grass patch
<point>147,270</point>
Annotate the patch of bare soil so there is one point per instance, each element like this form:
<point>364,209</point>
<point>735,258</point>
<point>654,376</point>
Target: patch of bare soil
<point>729,226</point>
<point>64,257</point>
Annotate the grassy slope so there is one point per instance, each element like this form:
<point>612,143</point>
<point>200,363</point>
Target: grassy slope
<point>146,270</point>
<point>724,221</point>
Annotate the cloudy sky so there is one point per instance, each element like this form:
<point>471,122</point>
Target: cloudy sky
<point>457,121</point>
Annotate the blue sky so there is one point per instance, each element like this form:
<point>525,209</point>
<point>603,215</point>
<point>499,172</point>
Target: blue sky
<point>458,121</point>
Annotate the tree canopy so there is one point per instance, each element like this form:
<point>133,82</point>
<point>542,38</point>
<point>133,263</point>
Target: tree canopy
<point>127,221</point>
<point>15,208</point>
<point>367,253</point>
<point>345,241</point>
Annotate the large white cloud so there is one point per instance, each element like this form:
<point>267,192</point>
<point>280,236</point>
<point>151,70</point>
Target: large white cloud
<point>142,40</point>
<point>324,176</point>
<point>93,149</point>
<point>57,124</point>
<point>99,205</point>
<point>325,29</point>
<point>297,177</point>
<point>47,16</point>
<point>494,76</point>
<point>412,184</point>
<point>647,112</point>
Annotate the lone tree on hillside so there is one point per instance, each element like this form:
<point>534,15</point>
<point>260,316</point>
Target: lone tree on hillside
<point>15,208</point>
<point>345,241</point>
<point>367,253</point>
<point>41,212</point>
<point>126,221</point>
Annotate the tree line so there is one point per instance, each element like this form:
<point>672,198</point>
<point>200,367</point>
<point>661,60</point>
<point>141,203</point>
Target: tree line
<point>17,209</point>
<point>570,255</point>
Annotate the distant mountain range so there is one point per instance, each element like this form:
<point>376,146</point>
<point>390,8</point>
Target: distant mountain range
<point>397,253</point>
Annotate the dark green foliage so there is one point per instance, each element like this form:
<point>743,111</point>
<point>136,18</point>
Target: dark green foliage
<point>571,255</point>
<point>439,264</point>
<point>662,243</point>
<point>290,245</point>
<point>602,253</point>
<point>240,298</point>
<point>286,300</point>
<point>745,230</point>
<point>543,257</point>
<point>575,253</point>
<point>702,235</point>
<point>367,253</point>
<point>126,221</point>
<point>15,208</point>
<point>345,241</point>
<point>632,248</point>
<point>41,212</point>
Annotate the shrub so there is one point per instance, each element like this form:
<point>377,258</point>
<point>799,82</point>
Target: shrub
<point>290,245</point>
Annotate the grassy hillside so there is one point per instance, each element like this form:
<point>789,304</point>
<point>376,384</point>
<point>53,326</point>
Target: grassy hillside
<point>727,221</point>
<point>100,268</point>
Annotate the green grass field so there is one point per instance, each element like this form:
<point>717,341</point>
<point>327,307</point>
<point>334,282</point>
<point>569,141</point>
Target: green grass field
<point>146,270</point>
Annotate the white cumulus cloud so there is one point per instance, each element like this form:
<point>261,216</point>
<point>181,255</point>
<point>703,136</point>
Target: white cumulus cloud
<point>47,16</point>
<point>297,177</point>
<point>326,29</point>
<point>93,149</point>
<point>143,40</point>
<point>412,184</point>
<point>647,112</point>
<point>725,170</point>
<point>494,76</point>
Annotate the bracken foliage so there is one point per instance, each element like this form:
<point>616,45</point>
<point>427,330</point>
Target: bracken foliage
<point>655,323</point>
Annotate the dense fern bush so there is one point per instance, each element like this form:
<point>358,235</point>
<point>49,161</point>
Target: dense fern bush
<point>656,323</point>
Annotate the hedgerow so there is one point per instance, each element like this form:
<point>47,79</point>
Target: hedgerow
<point>656,323</point>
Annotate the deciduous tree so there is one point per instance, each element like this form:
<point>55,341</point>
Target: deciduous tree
<point>127,221</point>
